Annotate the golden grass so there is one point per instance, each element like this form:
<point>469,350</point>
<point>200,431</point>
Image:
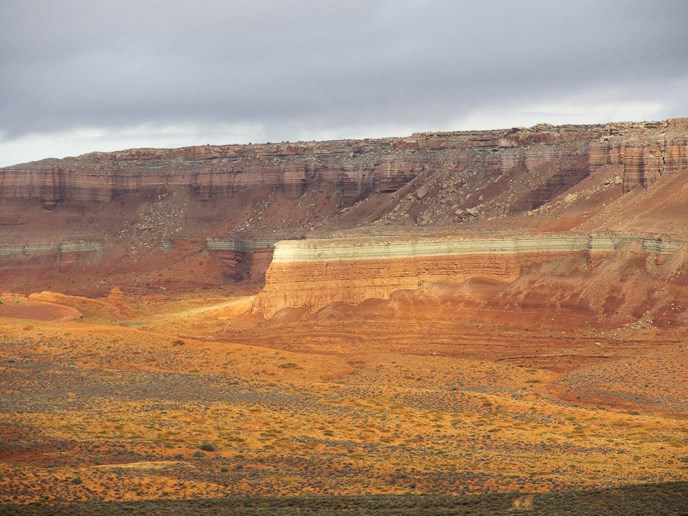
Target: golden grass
<point>121,405</point>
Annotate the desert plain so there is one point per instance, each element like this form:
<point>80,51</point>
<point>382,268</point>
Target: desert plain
<point>496,315</point>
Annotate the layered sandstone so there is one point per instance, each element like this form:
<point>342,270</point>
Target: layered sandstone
<point>67,248</point>
<point>500,172</point>
<point>245,259</point>
<point>355,167</point>
<point>316,273</point>
<point>134,202</point>
<point>358,167</point>
<point>643,159</point>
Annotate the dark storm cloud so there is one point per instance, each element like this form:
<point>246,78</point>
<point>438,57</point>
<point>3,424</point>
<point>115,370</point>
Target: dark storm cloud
<point>289,65</point>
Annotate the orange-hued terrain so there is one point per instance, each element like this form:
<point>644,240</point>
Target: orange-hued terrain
<point>446,314</point>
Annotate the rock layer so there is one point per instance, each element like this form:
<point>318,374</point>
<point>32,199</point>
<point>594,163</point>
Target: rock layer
<point>316,273</point>
<point>357,168</point>
<point>643,160</point>
<point>135,202</point>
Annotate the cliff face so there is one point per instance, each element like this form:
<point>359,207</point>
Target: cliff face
<point>316,273</point>
<point>643,159</point>
<point>549,160</point>
<point>135,202</point>
<point>357,168</point>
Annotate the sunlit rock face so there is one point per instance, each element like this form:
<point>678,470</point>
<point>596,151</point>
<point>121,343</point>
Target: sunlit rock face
<point>317,273</point>
<point>162,203</point>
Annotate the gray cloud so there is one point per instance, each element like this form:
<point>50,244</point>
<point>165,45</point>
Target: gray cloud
<point>314,67</point>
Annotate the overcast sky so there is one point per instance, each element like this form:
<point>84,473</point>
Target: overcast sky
<point>83,75</point>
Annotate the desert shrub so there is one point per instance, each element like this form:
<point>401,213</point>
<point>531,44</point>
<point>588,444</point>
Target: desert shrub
<point>207,447</point>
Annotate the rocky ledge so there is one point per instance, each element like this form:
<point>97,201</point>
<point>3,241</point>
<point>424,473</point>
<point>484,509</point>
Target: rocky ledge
<point>317,273</point>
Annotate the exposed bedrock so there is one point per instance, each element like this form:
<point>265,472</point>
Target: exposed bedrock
<point>565,155</point>
<point>135,202</point>
<point>519,169</point>
<point>643,159</point>
<point>244,260</point>
<point>316,273</point>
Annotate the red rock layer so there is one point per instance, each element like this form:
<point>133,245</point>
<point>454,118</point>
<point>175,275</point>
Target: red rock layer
<point>356,168</point>
<point>136,202</point>
<point>665,151</point>
<point>314,285</point>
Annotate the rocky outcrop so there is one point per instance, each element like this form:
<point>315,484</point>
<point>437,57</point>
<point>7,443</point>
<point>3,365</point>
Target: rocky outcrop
<point>357,168</point>
<point>137,201</point>
<point>544,160</point>
<point>645,151</point>
<point>316,273</point>
<point>643,162</point>
<point>62,256</point>
<point>244,260</point>
<point>571,169</point>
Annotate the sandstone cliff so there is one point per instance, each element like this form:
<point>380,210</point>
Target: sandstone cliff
<point>316,273</point>
<point>643,160</point>
<point>359,168</point>
<point>153,206</point>
<point>509,171</point>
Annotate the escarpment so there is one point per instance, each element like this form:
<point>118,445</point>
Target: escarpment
<point>146,207</point>
<point>514,170</point>
<point>317,273</point>
<point>643,159</point>
<point>358,168</point>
